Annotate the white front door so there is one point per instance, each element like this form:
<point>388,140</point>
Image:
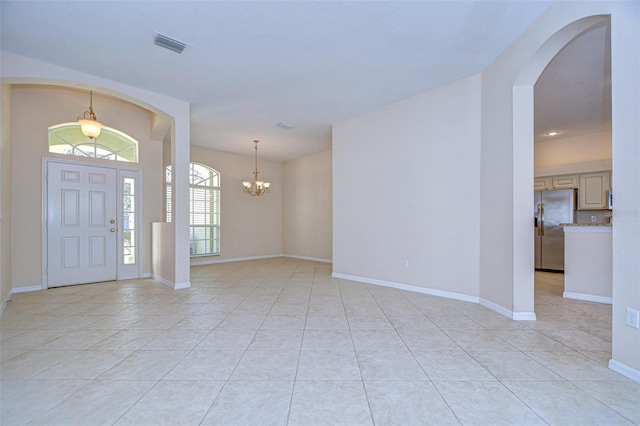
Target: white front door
<point>81,224</point>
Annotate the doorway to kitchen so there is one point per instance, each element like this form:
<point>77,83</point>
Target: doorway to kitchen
<point>572,167</point>
<point>527,300</point>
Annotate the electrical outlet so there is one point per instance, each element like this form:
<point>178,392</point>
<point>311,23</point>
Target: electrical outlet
<point>405,263</point>
<point>632,318</point>
<point>593,218</point>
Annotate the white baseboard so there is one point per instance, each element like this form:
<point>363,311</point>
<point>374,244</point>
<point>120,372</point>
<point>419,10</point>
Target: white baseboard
<point>587,297</point>
<point>180,286</point>
<point>516,316</point>
<point>423,290</point>
<point>26,289</point>
<point>314,259</point>
<point>146,275</point>
<point>171,284</point>
<point>162,280</point>
<point>6,299</point>
<point>211,261</point>
<point>625,370</point>
<point>524,316</point>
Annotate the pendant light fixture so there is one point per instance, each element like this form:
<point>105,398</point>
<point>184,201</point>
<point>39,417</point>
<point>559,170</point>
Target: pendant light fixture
<point>88,122</point>
<point>257,187</point>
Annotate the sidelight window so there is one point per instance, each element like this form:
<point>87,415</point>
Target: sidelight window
<point>129,221</point>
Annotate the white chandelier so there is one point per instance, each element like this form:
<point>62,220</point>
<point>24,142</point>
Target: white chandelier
<point>257,187</point>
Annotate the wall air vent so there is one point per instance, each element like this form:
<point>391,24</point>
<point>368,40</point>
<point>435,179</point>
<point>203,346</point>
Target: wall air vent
<point>285,126</point>
<point>169,43</point>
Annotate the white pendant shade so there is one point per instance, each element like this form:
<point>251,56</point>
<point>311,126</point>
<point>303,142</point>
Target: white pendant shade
<point>90,128</point>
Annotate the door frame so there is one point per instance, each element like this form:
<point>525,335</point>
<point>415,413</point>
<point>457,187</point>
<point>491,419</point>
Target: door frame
<point>121,171</point>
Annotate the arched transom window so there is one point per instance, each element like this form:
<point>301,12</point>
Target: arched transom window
<point>112,144</point>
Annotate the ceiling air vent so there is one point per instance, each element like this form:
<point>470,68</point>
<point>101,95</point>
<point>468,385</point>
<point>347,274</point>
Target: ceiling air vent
<point>169,43</point>
<point>285,126</point>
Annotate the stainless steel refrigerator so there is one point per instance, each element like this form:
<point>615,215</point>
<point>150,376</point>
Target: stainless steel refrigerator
<point>551,208</point>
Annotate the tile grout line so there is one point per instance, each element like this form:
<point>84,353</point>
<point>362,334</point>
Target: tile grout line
<point>304,329</point>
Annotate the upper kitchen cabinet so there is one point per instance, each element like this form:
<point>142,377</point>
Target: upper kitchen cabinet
<point>542,183</point>
<point>555,182</point>
<point>565,182</point>
<point>593,191</point>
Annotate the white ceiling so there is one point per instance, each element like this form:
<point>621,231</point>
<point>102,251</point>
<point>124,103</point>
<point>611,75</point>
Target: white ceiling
<point>250,65</point>
<point>573,94</point>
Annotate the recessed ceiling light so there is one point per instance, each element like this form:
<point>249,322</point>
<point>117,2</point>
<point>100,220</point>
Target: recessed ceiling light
<point>552,133</point>
<point>285,126</point>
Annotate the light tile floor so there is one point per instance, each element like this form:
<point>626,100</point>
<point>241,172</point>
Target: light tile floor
<point>279,341</point>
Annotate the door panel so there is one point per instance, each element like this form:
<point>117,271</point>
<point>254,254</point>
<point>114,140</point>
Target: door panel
<point>97,252</point>
<point>70,208</point>
<point>70,251</point>
<point>81,241</point>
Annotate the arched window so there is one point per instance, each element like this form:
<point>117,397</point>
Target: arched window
<point>112,144</point>
<point>204,208</point>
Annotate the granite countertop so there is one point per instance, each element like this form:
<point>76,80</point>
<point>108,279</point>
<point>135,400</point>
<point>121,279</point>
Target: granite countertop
<point>585,224</point>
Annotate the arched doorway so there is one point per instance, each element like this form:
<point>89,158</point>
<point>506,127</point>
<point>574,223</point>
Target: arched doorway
<point>523,161</point>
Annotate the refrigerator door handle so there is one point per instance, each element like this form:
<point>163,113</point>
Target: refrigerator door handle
<point>538,221</point>
<point>542,219</point>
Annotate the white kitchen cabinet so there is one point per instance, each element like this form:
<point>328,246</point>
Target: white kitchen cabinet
<point>555,182</point>
<point>593,191</point>
<point>542,183</point>
<point>565,182</point>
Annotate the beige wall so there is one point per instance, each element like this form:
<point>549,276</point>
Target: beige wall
<point>584,153</point>
<point>34,109</point>
<point>5,192</point>
<point>162,244</point>
<point>406,186</point>
<point>307,207</point>
<point>249,226</point>
<point>625,33</point>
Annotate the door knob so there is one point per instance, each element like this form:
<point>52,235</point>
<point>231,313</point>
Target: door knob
<point>113,229</point>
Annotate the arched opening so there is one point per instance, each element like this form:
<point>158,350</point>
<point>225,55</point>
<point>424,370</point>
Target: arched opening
<point>523,158</point>
<point>169,120</point>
